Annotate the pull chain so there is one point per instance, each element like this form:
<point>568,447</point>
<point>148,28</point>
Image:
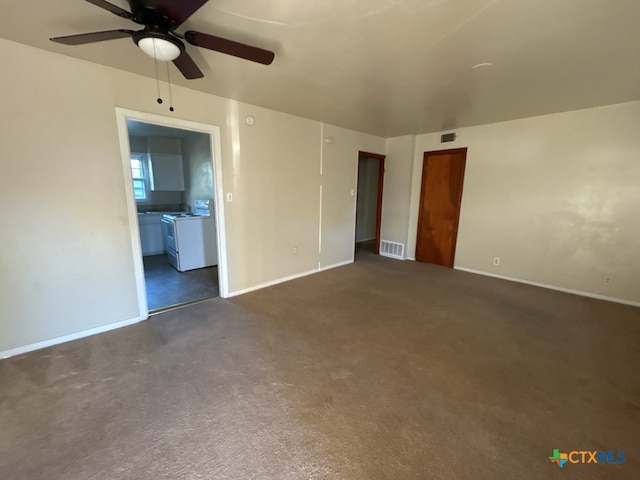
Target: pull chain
<point>155,59</point>
<point>169,82</point>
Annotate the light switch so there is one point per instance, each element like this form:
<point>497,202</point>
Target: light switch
<point>353,192</point>
<point>229,197</point>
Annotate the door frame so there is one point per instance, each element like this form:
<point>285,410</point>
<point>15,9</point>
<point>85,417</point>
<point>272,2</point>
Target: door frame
<point>381,158</point>
<point>462,150</point>
<point>122,115</point>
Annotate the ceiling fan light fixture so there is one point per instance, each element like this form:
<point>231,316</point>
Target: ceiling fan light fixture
<point>159,48</point>
<point>159,40</point>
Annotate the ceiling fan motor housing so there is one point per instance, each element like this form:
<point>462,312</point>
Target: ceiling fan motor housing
<point>146,40</point>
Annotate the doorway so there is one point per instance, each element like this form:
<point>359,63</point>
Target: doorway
<point>170,167</point>
<point>439,210</point>
<point>369,202</point>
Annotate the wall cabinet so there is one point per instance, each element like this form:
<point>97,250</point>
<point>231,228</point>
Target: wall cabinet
<point>166,173</point>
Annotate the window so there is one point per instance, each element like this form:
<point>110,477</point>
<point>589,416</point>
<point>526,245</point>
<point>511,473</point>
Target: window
<point>140,189</point>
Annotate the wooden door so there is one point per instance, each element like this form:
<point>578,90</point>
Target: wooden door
<point>442,176</point>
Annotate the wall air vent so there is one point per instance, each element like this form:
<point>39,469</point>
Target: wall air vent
<point>447,137</point>
<point>392,249</point>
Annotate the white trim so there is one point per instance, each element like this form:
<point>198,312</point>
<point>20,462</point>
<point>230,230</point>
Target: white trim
<point>354,204</point>
<point>122,114</point>
<point>336,265</point>
<point>552,287</point>
<point>385,255</point>
<point>132,213</point>
<point>272,282</point>
<point>320,224</point>
<point>220,217</point>
<point>68,338</point>
<point>321,147</point>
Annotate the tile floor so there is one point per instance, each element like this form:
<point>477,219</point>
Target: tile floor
<point>166,287</point>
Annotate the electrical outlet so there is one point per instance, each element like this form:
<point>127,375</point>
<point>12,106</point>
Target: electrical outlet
<point>607,280</point>
<point>496,261</point>
<point>295,250</point>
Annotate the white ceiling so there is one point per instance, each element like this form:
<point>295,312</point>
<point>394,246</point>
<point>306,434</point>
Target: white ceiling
<point>386,67</point>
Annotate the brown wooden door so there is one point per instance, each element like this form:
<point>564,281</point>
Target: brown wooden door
<point>442,176</point>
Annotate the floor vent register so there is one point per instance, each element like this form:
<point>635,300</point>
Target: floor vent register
<point>392,249</point>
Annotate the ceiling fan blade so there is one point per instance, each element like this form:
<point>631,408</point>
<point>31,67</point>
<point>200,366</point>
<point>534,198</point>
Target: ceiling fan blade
<point>83,38</point>
<point>187,66</point>
<point>112,8</point>
<point>178,10</point>
<point>230,47</point>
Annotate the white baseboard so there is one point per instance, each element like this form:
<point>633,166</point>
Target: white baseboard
<point>270,283</point>
<point>552,287</point>
<point>402,259</point>
<point>335,265</point>
<point>68,338</point>
<point>113,326</point>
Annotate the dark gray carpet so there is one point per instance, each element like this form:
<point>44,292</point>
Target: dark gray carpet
<point>378,370</point>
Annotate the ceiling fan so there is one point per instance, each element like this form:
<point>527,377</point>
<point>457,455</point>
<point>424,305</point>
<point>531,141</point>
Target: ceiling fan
<point>159,38</point>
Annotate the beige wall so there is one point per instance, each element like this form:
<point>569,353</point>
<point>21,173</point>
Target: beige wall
<point>198,167</point>
<point>67,266</point>
<point>138,144</point>
<point>274,180</point>
<point>555,197</point>
<point>396,189</point>
<point>162,144</point>
<point>339,180</point>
